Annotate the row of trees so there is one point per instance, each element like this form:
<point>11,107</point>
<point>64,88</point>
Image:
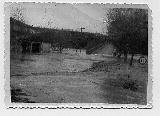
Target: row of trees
<point>128,29</point>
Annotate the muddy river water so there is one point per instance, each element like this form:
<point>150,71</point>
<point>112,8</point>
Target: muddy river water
<point>60,78</point>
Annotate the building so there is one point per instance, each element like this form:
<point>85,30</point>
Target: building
<point>19,31</point>
<point>25,38</point>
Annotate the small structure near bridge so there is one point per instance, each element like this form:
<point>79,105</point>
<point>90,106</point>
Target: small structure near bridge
<point>35,47</point>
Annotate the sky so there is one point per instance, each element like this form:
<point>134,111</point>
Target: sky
<point>92,17</point>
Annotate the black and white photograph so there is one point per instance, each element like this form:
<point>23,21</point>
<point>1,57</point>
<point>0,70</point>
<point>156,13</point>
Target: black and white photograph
<point>78,53</point>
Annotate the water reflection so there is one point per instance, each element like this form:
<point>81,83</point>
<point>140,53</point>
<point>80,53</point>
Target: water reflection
<point>33,63</point>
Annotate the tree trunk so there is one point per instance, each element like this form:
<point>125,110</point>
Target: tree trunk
<point>131,61</point>
<point>60,48</point>
<point>125,56</point>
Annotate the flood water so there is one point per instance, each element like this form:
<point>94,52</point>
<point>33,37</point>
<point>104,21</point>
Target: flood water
<point>64,78</point>
<point>26,64</point>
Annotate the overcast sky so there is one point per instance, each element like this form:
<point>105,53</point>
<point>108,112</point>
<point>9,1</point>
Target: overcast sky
<point>67,16</point>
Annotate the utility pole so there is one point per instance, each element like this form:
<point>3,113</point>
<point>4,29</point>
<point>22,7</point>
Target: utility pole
<point>81,34</point>
<point>82,29</point>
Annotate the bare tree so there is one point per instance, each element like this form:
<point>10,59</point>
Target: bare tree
<point>18,14</point>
